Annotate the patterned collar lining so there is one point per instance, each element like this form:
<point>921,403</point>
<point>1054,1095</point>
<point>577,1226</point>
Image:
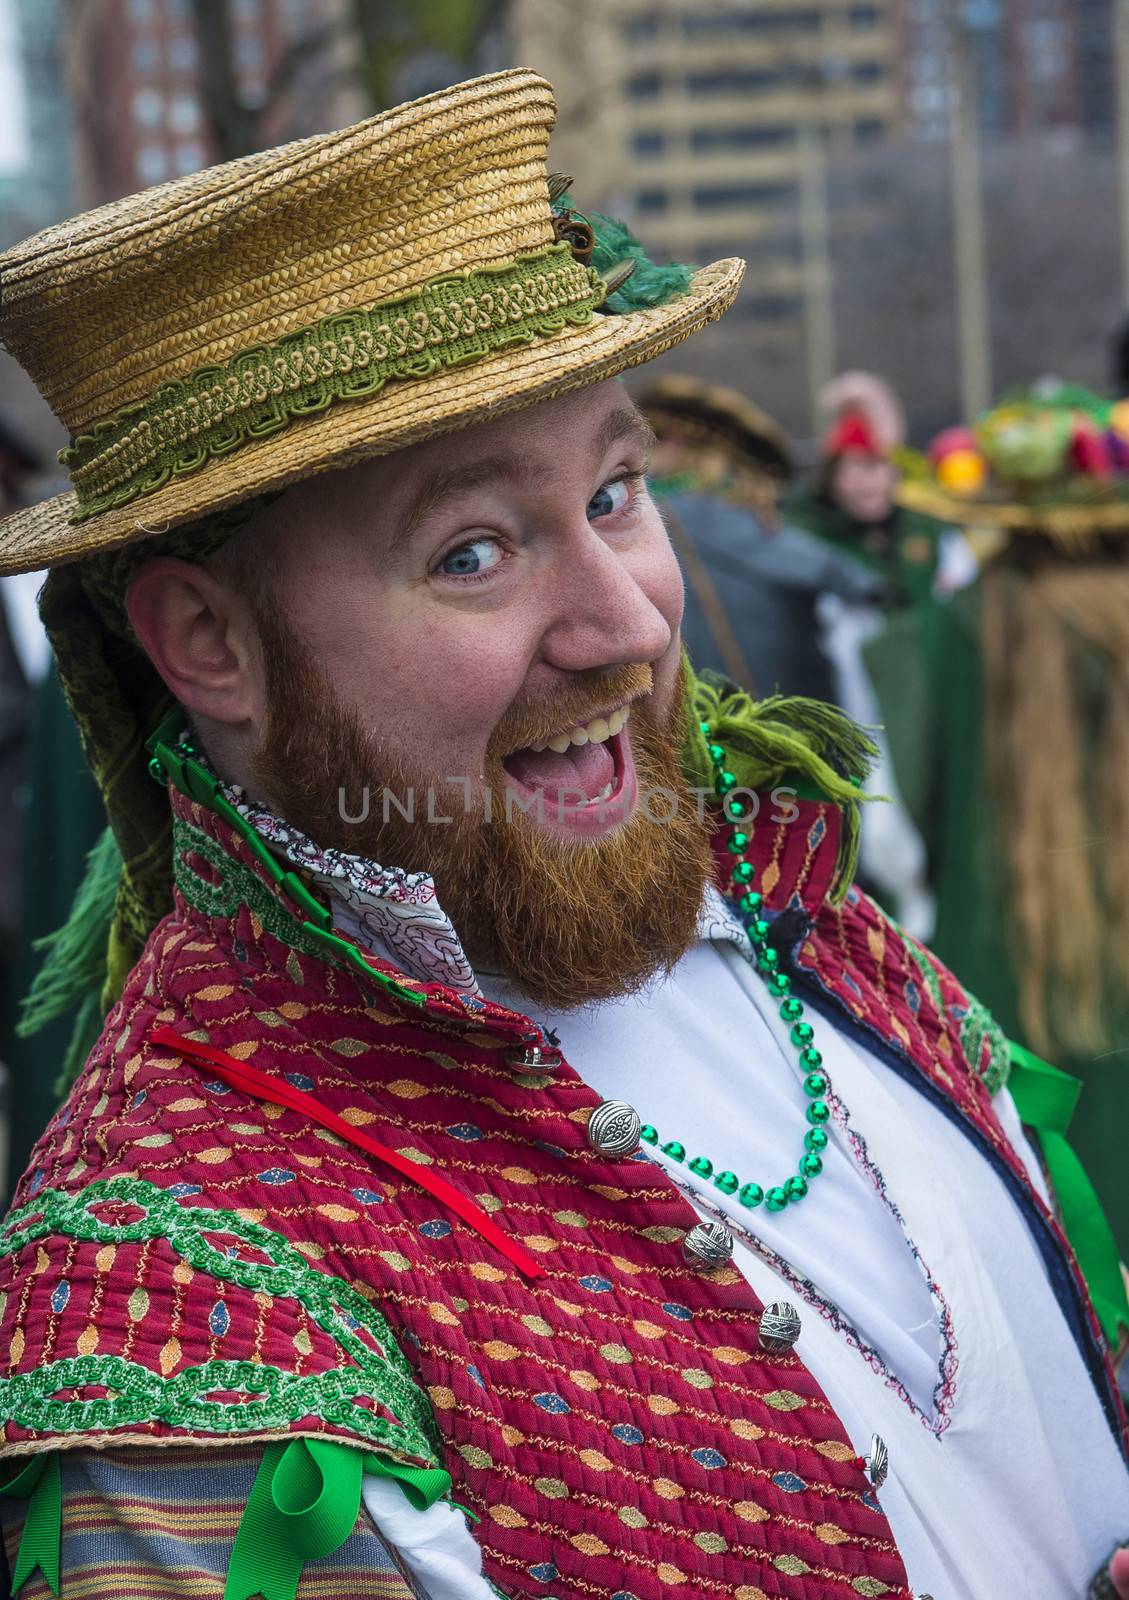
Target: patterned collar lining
<point>397,914</point>
<point>393,913</point>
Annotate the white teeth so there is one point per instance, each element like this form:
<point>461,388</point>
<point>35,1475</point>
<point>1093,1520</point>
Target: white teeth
<point>606,792</point>
<point>598,731</point>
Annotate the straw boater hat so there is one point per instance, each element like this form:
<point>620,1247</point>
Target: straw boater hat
<point>232,332</point>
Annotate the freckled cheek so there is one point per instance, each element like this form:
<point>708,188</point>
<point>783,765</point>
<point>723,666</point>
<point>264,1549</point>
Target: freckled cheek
<point>438,700</point>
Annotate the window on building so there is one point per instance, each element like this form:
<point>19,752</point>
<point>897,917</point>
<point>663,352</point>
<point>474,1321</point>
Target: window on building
<point>868,130</point>
<point>644,85</point>
<point>148,107</point>
<point>752,136</point>
<point>651,201</point>
<point>641,28</point>
<point>249,53</point>
<point>787,19</point>
<point>152,163</point>
<point>736,80</point>
<point>720,196</point>
<point>785,245</point>
<point>184,113</point>
<point>648,142</point>
<point>189,156</point>
<point>145,57</point>
<point>864,16</point>
<point>769,307</point>
<point>141,11</point>
<point>867,71</point>
<point>182,53</point>
<point>247,10</point>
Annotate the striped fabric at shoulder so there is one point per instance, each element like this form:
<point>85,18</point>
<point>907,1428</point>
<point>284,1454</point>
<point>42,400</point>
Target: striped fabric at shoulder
<point>159,1524</point>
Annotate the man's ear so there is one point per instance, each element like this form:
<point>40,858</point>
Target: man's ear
<point>199,637</point>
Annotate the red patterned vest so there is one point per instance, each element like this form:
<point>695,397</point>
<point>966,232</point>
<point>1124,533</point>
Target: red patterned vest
<point>187,1261</point>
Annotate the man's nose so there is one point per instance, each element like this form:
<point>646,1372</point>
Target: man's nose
<point>601,614</point>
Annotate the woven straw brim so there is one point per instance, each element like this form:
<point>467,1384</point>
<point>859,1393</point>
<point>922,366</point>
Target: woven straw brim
<point>403,413</point>
<point>1063,518</point>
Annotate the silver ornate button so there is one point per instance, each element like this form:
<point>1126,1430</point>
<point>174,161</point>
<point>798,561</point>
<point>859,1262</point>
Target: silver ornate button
<point>614,1128</point>
<point>533,1059</point>
<point>708,1244</point>
<point>779,1328</point>
<point>877,1463</point>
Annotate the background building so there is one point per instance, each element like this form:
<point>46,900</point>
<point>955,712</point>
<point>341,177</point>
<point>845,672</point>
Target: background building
<point>694,119</point>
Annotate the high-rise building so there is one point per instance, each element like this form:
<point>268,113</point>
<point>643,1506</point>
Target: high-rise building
<point>36,177</point>
<point>1038,65</point>
<point>687,117</point>
<point>137,75</point>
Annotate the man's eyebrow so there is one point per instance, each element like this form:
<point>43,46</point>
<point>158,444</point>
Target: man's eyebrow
<point>446,483</point>
<point>626,423</point>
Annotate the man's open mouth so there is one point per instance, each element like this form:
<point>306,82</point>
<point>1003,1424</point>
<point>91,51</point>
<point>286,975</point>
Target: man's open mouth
<point>579,767</point>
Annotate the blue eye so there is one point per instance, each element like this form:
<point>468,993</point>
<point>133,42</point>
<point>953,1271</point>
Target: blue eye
<point>477,556</point>
<point>611,498</point>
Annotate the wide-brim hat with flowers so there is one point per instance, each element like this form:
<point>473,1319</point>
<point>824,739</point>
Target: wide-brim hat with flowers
<point>226,334</point>
<point>1050,460</point>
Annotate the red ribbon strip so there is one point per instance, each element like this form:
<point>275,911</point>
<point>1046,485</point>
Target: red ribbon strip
<point>262,1087</point>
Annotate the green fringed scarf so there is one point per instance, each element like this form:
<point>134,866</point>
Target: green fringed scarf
<point>813,747</point>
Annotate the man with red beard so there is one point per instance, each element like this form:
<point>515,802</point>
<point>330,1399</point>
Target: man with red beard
<point>348,1265</point>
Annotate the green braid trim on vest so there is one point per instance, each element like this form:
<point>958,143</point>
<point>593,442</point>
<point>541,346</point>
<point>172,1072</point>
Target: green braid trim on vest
<point>450,322</point>
<point>188,1398</point>
<point>778,740</point>
<point>234,886</point>
<point>977,1027</point>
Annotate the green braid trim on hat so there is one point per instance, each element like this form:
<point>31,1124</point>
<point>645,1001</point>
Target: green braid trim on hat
<point>370,1368</point>
<point>783,737</point>
<point>451,321</point>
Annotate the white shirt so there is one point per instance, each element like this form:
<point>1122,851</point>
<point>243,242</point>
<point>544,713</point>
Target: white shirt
<point>1004,1476</point>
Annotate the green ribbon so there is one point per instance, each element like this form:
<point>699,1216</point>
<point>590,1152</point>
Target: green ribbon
<point>303,1505</point>
<point>1045,1099</point>
<point>38,1483</point>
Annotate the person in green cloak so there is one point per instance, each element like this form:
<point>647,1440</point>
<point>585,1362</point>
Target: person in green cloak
<point>1007,712</point>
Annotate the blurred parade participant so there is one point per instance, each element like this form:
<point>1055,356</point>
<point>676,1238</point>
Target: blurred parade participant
<point>852,504</point>
<point>851,509</point>
<point>349,1248</point>
<point>1009,714</point>
<point>718,469</point>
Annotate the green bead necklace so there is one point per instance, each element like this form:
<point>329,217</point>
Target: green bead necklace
<point>749,902</point>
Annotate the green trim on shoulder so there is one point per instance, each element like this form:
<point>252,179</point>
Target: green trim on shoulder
<point>812,747</point>
<point>276,1398</point>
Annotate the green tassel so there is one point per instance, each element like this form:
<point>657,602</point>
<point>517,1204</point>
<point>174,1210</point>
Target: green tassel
<point>74,967</point>
<point>814,747</point>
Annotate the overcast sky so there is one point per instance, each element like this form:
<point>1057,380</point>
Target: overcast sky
<point>13,122</point>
